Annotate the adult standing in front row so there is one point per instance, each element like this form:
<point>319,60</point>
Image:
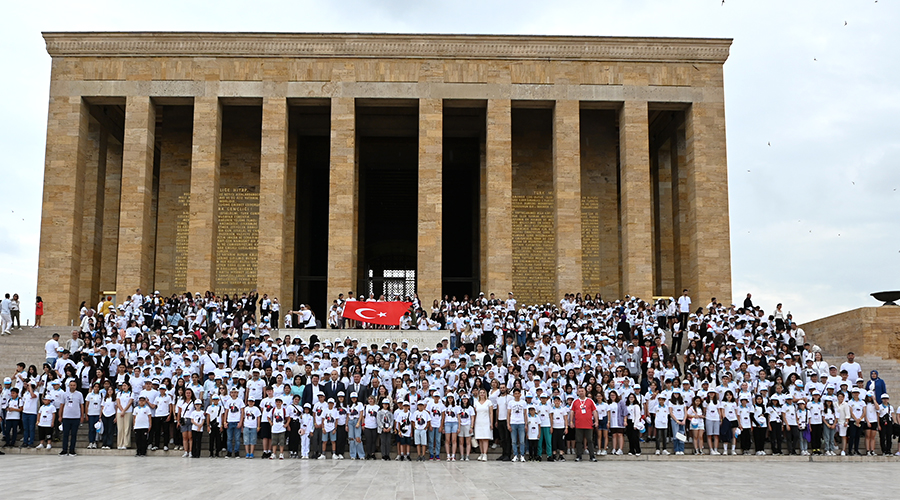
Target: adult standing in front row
<point>584,418</point>
<point>72,415</point>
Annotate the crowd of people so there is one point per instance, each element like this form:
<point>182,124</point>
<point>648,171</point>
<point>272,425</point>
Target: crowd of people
<point>537,382</point>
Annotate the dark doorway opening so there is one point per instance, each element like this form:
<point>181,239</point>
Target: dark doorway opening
<point>388,209</point>
<point>310,128</point>
<point>463,156</point>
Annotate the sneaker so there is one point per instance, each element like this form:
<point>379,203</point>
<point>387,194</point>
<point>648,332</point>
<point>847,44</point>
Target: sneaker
<point>165,448</point>
<point>272,457</point>
<point>602,454</point>
<point>618,452</point>
<point>843,453</point>
<point>62,453</point>
<point>184,455</point>
<point>515,459</point>
<point>39,447</point>
<point>594,459</point>
<point>578,459</point>
<point>679,453</point>
<point>563,459</point>
<point>104,448</point>
<point>657,452</point>
<point>321,457</point>
<point>251,456</point>
<point>714,452</point>
<point>665,452</point>
<point>119,448</point>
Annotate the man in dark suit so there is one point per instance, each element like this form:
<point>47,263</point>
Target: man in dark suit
<point>361,390</point>
<point>311,391</point>
<point>333,386</point>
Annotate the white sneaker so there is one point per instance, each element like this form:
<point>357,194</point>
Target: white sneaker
<point>48,446</point>
<point>665,452</point>
<point>843,453</point>
<point>185,455</point>
<point>335,457</point>
<point>321,457</point>
<point>39,447</point>
<point>657,452</point>
<point>340,457</point>
<point>281,456</point>
<point>679,453</point>
<point>165,448</point>
<point>119,448</point>
<point>618,452</point>
<point>494,446</point>
<point>714,452</point>
<point>603,453</point>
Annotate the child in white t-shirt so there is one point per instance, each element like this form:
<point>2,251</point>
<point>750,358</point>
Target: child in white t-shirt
<point>421,422</point>
<point>45,422</point>
<point>250,422</point>
<point>533,433</point>
<point>307,425</point>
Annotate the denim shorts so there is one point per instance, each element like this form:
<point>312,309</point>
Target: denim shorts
<point>451,427</point>
<point>604,424</point>
<point>329,436</point>
<point>421,437</point>
<point>249,435</point>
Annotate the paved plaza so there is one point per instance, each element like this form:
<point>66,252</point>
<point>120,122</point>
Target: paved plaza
<point>33,476</point>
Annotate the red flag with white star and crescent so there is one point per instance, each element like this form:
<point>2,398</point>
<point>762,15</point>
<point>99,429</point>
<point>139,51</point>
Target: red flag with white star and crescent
<point>379,313</point>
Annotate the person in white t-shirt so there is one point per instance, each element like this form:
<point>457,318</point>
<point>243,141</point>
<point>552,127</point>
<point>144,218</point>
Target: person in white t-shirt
<point>279,418</point>
<point>197,418</point>
<point>250,418</point>
<point>143,420</point>
<point>45,423</point>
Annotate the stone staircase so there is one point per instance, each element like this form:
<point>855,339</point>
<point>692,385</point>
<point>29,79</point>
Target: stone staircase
<point>27,345</point>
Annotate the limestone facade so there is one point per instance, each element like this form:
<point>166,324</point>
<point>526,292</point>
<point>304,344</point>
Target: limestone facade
<point>172,160</point>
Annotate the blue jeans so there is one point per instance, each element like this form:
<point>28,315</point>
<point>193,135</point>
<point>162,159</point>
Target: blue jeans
<point>434,442</point>
<point>233,441</point>
<point>70,432</point>
<point>353,432</point>
<point>11,431</point>
<point>677,443</point>
<point>29,420</point>
<point>51,362</point>
<point>92,431</point>
<point>518,439</point>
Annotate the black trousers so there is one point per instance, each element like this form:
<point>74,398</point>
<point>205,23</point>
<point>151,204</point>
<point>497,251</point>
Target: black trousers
<point>533,449</point>
<point>294,436</point>
<point>341,439</point>
<point>215,439</point>
<point>140,438</point>
<point>634,439</point>
<point>746,436</point>
<point>196,443</point>
<point>759,438</point>
<point>505,439</point>
<point>159,429</point>
<point>792,439</point>
<point>886,435</point>
<point>580,436</point>
<point>370,441</point>
<point>559,440</point>
<point>776,437</point>
<point>853,433</point>
<point>315,444</point>
<point>815,431</point>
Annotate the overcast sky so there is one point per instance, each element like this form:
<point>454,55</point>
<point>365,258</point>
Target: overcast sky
<point>815,216</point>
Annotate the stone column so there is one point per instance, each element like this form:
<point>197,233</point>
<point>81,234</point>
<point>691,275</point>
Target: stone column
<point>111,201</point>
<point>681,248</point>
<point>634,194</point>
<point>135,252</point>
<point>496,270</point>
<point>206,145</point>
<point>61,215</point>
<point>92,228</point>
<point>272,195</point>
<point>709,265</point>
<point>665,237</point>
<point>567,196</point>
<point>342,200</point>
<point>429,273</point>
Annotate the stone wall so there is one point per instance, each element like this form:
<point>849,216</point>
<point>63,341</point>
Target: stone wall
<point>867,331</point>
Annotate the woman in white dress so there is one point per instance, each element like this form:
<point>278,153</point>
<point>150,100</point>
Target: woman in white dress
<point>484,423</point>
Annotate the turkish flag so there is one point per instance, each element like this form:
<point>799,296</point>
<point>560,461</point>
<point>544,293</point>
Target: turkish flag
<point>380,313</point>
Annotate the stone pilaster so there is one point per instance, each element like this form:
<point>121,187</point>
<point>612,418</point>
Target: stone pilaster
<point>496,271</point>
<point>206,147</point>
<point>665,237</point>
<point>61,214</point>
<point>135,251</point>
<point>634,192</point>
<point>429,273</point>
<point>709,267</point>
<point>342,200</point>
<point>567,196</point>
<point>272,196</point>
<point>111,201</point>
<point>92,228</point>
